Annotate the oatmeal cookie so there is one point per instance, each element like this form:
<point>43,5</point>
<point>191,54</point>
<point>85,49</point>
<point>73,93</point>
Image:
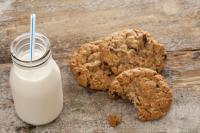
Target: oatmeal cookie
<point>145,88</point>
<point>87,68</point>
<point>132,48</point>
<point>95,64</point>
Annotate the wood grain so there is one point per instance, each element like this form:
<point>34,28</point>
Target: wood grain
<point>70,23</point>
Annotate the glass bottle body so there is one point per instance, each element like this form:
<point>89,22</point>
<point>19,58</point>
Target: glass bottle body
<point>36,85</point>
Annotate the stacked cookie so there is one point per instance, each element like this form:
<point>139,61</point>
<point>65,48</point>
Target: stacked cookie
<point>127,64</point>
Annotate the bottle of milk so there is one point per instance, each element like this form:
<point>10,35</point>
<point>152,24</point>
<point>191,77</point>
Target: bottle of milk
<point>36,85</point>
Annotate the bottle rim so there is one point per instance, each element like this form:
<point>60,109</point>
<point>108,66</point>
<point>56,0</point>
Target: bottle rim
<point>41,60</point>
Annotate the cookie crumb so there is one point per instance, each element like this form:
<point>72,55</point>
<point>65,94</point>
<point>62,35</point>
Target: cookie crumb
<point>114,120</point>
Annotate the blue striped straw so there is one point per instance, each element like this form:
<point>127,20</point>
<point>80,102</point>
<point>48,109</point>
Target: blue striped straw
<point>32,36</point>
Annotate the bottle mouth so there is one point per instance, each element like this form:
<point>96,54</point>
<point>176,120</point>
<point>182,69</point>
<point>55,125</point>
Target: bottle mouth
<point>20,51</point>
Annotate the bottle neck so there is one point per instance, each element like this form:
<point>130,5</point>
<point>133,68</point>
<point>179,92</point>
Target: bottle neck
<point>21,52</point>
<point>32,64</point>
<point>41,66</point>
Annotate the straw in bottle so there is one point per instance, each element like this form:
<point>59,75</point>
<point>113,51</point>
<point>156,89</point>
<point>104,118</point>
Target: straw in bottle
<point>32,37</point>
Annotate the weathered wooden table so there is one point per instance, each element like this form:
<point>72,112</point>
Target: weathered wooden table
<point>69,23</point>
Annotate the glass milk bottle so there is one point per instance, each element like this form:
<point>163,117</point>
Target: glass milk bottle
<point>36,85</point>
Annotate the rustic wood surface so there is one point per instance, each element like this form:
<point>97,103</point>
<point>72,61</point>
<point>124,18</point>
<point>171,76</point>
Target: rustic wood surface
<point>70,23</point>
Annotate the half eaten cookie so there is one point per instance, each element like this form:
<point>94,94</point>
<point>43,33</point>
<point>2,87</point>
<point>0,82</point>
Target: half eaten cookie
<point>145,88</point>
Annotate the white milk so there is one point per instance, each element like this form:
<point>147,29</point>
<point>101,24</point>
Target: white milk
<point>37,91</point>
